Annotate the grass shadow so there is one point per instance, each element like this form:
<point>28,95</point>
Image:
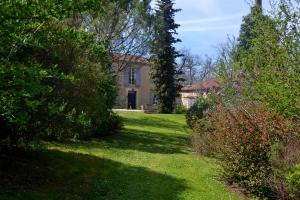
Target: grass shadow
<point>131,139</point>
<point>146,141</point>
<point>151,134</point>
<point>61,175</point>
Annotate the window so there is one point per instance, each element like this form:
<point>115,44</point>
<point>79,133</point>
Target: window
<point>132,78</point>
<point>191,102</point>
<point>154,99</point>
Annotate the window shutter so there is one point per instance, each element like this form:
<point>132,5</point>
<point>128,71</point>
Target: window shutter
<point>138,76</point>
<point>151,98</point>
<point>126,76</point>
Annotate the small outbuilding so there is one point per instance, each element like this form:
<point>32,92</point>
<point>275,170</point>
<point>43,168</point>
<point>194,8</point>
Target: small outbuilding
<point>190,93</point>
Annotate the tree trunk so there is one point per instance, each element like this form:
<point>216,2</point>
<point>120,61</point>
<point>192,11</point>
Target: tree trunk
<point>258,3</point>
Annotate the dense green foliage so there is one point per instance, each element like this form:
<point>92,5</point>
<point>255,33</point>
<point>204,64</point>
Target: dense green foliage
<point>55,80</point>
<point>180,109</point>
<point>293,179</point>
<point>272,60</point>
<point>247,30</point>
<point>197,110</point>
<point>255,129</point>
<point>164,73</point>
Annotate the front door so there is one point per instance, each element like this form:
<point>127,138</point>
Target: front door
<point>131,99</point>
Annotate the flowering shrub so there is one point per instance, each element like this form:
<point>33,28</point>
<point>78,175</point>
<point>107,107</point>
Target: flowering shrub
<point>243,137</point>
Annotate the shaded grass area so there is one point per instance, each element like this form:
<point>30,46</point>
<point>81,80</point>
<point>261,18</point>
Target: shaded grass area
<point>61,175</point>
<point>149,160</point>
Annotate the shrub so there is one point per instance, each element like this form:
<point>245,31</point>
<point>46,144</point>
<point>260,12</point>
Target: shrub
<point>286,158</point>
<point>293,180</point>
<point>113,125</point>
<point>201,139</point>
<point>243,137</point>
<point>197,110</point>
<point>55,79</point>
<point>180,109</point>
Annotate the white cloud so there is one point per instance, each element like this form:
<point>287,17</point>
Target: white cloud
<point>208,28</point>
<point>212,19</point>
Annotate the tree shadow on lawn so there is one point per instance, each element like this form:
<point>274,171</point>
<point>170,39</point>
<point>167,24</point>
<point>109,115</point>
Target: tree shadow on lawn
<point>61,175</point>
<point>146,141</point>
<point>150,134</point>
<point>131,139</point>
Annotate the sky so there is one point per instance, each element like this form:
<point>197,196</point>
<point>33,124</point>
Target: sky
<point>207,23</point>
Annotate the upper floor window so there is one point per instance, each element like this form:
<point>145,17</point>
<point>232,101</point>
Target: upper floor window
<point>132,76</point>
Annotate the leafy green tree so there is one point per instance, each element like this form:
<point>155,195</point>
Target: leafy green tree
<point>272,62</point>
<point>165,76</point>
<point>250,22</point>
<point>55,79</point>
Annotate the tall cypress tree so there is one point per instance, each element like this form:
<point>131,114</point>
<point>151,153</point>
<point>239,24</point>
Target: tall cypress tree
<point>250,22</point>
<point>166,77</point>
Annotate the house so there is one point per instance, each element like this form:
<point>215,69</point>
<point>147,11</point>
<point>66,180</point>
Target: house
<point>134,83</point>
<point>190,93</point>
<point>135,89</point>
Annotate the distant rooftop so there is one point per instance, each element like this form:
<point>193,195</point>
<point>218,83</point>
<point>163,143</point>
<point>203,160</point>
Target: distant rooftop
<point>131,59</point>
<point>208,84</point>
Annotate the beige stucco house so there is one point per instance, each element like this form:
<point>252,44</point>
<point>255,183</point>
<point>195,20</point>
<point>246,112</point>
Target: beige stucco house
<point>135,89</point>
<point>190,93</point>
<point>134,84</point>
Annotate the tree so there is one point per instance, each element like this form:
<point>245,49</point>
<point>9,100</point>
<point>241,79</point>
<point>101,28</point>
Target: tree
<point>249,23</point>
<point>258,3</point>
<point>271,60</point>
<point>208,69</point>
<point>128,28</point>
<point>189,64</point>
<point>164,73</point>
<point>55,77</point>
<point>195,68</point>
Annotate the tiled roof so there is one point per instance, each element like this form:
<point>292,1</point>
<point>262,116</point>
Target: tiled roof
<point>131,59</point>
<point>208,84</point>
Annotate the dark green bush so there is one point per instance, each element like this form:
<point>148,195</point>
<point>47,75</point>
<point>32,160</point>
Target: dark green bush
<point>113,125</point>
<point>55,79</point>
<point>197,110</point>
<point>202,131</point>
<point>293,180</point>
<point>180,109</point>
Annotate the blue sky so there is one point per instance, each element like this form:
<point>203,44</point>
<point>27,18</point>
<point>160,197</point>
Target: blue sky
<point>207,23</point>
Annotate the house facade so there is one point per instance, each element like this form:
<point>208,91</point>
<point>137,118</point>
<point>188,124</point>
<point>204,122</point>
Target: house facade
<point>135,88</point>
<point>134,84</point>
<point>190,93</point>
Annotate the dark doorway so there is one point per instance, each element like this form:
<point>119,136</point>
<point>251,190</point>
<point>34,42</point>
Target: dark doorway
<point>131,99</point>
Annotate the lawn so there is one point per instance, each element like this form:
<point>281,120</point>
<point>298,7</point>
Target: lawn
<point>149,160</point>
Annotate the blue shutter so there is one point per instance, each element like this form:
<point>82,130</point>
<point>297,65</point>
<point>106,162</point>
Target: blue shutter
<point>151,98</point>
<point>126,76</point>
<point>138,76</point>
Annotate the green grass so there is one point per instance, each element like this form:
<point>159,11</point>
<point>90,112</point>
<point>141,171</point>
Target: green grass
<point>150,160</point>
